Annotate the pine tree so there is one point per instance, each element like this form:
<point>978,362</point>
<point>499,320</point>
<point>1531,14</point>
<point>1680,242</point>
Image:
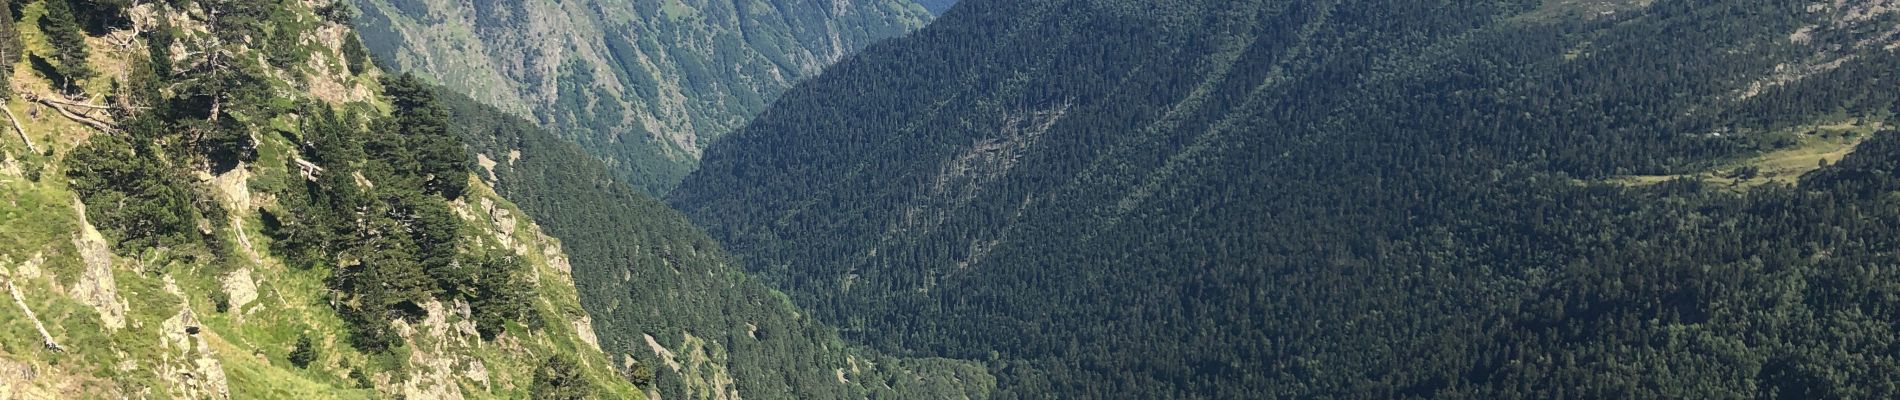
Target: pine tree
<point>68,40</point>
<point>423,123</point>
<point>560,379</point>
<point>355,55</point>
<point>304,352</point>
<point>10,47</point>
<point>639,374</point>
<point>151,205</point>
<point>498,295</point>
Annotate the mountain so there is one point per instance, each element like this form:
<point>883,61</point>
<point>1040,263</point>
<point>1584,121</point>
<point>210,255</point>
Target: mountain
<point>643,84</point>
<point>937,6</point>
<point>1345,199</point>
<point>220,199</point>
<point>665,298</point>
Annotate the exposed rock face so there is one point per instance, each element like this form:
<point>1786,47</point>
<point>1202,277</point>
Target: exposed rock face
<point>96,286</point>
<point>241,289</point>
<point>26,381</point>
<point>556,258</point>
<point>190,366</point>
<point>704,375</point>
<point>504,223</point>
<point>430,351</point>
<point>584,326</point>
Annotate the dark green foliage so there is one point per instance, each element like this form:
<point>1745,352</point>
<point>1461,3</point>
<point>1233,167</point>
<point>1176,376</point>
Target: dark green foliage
<point>383,284</point>
<point>33,171</point>
<point>338,12</point>
<point>159,45</point>
<point>69,43</point>
<point>435,231</point>
<point>560,379</point>
<point>133,197</point>
<point>241,19</point>
<point>361,379</point>
<point>355,56</point>
<point>220,301</point>
<point>10,47</point>
<point>304,352</point>
<point>498,294</point>
<point>641,268</point>
<point>207,120</point>
<point>1351,199</point>
<point>421,124</point>
<point>99,16</point>
<point>397,255</point>
<point>393,245</point>
<point>285,48</point>
<point>640,374</point>
<point>225,143</point>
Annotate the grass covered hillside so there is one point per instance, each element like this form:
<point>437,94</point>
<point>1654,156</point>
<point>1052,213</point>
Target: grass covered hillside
<point>642,84</point>
<point>218,199</point>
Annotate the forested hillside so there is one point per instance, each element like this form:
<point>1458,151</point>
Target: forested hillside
<point>664,297</point>
<point>1346,199</point>
<point>937,6</point>
<point>215,200</point>
<point>643,84</point>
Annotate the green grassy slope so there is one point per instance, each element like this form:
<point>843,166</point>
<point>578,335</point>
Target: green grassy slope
<point>220,318</point>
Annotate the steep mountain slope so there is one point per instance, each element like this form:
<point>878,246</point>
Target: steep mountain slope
<point>666,298</point>
<point>641,83</point>
<point>195,206</point>
<point>1355,199</point>
<point>937,6</point>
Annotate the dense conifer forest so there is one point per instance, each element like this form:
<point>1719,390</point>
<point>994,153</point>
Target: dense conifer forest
<point>1346,199</point>
<point>649,278</point>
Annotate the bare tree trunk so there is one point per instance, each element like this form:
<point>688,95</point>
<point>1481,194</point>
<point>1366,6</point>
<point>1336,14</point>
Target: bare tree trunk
<point>46,338</point>
<point>56,106</point>
<point>18,128</point>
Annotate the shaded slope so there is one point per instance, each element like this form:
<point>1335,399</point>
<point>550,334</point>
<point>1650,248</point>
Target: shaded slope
<point>1363,199</point>
<point>664,294</point>
<point>643,84</point>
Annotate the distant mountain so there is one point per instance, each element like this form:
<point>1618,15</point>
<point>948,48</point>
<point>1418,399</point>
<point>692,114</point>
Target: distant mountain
<point>664,296</point>
<point>644,84</point>
<point>937,6</point>
<point>1346,199</point>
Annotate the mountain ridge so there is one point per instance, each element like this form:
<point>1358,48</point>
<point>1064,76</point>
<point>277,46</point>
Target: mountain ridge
<point>641,84</point>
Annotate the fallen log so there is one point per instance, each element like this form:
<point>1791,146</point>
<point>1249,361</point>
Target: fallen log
<point>19,128</point>
<point>69,114</point>
<point>46,338</point>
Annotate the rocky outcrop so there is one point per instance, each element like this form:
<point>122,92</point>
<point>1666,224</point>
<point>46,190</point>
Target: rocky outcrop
<point>190,366</point>
<point>96,286</point>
